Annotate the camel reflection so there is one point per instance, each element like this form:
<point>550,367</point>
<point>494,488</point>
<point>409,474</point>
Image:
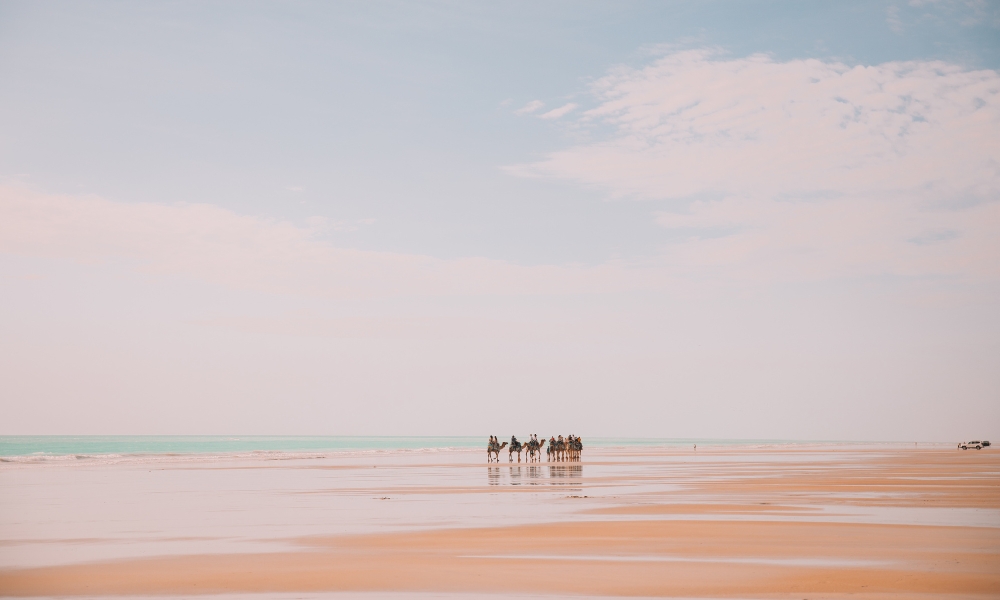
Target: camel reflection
<point>566,472</point>
<point>515,475</point>
<point>558,474</point>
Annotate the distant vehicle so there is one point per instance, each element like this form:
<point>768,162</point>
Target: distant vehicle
<point>986,443</point>
<point>973,444</point>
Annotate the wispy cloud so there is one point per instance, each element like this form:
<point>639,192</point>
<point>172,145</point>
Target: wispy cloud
<point>934,236</point>
<point>806,158</point>
<point>529,107</point>
<point>556,113</point>
<point>892,18</point>
<point>320,224</point>
<point>212,244</point>
<point>902,16</point>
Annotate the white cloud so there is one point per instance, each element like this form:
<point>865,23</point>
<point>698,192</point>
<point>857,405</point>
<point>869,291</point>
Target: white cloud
<point>213,244</point>
<point>529,107</point>
<point>805,159</point>
<point>556,113</point>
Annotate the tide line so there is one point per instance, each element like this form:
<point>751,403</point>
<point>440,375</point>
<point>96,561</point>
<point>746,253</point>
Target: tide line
<point>786,562</point>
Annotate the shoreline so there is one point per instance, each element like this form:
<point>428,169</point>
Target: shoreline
<point>40,458</point>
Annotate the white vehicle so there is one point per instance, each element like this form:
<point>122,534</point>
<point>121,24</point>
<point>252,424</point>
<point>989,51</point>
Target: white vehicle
<point>973,444</point>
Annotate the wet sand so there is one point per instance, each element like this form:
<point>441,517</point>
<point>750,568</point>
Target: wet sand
<point>819,522</point>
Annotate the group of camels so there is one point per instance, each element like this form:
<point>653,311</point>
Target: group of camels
<point>559,449</point>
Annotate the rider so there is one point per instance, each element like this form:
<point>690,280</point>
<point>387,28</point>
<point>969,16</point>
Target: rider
<point>513,441</point>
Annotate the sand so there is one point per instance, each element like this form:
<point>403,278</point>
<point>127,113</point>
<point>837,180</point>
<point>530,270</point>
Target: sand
<point>806,522</point>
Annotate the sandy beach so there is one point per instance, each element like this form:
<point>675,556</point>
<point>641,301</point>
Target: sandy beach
<point>793,521</point>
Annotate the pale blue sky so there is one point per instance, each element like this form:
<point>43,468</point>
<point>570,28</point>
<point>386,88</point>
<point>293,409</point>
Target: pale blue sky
<point>294,217</point>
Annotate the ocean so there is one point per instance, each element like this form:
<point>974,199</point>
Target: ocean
<point>83,446</point>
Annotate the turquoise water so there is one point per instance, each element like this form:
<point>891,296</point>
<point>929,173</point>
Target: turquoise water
<point>95,445</point>
<point>56,445</point>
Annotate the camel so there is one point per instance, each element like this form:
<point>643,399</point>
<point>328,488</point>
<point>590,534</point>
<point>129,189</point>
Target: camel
<point>493,450</point>
<point>538,450</point>
<point>559,449</point>
<point>575,447</point>
<point>534,450</point>
<point>515,446</point>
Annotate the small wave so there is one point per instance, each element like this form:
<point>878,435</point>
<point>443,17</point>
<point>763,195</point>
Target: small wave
<point>211,457</point>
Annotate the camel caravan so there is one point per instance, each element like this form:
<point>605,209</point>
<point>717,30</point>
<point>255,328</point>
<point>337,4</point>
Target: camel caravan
<point>559,449</point>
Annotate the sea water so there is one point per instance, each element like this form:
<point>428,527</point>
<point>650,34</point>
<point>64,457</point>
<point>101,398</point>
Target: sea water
<point>20,448</point>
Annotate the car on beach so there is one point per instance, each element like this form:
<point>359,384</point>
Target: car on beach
<point>973,444</point>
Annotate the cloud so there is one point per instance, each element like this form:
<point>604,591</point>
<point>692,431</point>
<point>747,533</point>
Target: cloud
<point>848,237</point>
<point>529,107</point>
<point>212,244</point>
<point>318,224</point>
<point>803,158</point>
<point>556,113</point>
<point>934,236</point>
<point>892,18</point>
<point>965,13</point>
<point>688,125</point>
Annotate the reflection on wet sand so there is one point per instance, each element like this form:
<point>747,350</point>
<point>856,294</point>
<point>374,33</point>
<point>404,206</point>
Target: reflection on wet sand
<point>563,471</point>
<point>560,474</point>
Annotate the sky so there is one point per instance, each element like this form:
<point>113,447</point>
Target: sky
<point>751,220</point>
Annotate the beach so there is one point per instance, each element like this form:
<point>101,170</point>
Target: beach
<point>726,521</point>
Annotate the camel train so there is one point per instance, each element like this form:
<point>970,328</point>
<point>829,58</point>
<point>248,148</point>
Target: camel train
<point>559,449</point>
